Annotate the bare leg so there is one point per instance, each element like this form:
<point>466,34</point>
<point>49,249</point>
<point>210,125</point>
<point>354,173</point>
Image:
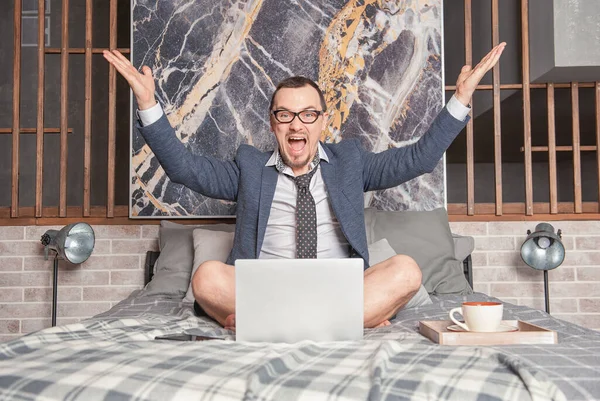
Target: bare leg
<point>213,285</point>
<point>388,286</point>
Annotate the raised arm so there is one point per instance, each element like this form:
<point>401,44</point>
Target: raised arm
<point>204,174</point>
<point>396,166</point>
<point>469,77</point>
<point>142,84</point>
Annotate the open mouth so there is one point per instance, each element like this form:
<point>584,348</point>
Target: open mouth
<point>297,144</point>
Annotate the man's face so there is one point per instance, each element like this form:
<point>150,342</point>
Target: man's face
<point>298,140</point>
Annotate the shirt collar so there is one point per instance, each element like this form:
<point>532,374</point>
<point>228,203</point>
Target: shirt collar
<point>277,161</point>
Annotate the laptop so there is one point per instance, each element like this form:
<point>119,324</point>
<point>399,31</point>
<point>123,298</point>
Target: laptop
<point>292,300</point>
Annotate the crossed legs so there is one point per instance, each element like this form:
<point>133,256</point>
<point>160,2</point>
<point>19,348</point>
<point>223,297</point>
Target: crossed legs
<point>388,286</point>
<point>213,286</point>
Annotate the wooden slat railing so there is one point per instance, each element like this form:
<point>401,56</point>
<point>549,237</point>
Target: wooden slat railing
<point>39,213</point>
<point>497,123</point>
<point>566,148</point>
<point>39,143</point>
<point>598,138</point>
<point>515,211</point>
<point>112,110</point>
<point>470,144</point>
<point>483,87</point>
<point>118,214</point>
<point>553,209</point>
<point>16,117</point>
<point>552,173</point>
<point>87,141</point>
<point>81,50</point>
<point>33,131</point>
<point>576,147</point>
<point>64,112</point>
<point>526,107</point>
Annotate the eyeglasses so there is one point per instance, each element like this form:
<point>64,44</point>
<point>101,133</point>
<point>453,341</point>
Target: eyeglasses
<point>305,116</point>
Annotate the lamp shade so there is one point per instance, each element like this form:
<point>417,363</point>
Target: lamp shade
<point>74,242</point>
<point>543,249</point>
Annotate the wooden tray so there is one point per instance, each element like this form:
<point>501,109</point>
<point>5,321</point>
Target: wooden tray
<point>527,333</point>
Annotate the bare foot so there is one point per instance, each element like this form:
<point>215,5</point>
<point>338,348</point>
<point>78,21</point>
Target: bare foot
<point>230,322</point>
<point>383,324</point>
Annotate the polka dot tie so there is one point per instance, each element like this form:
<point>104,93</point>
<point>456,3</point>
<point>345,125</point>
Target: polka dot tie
<point>306,219</point>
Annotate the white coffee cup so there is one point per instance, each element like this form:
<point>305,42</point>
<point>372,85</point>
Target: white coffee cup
<point>479,316</point>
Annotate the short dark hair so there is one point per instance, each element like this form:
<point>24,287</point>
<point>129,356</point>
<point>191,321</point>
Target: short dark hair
<point>299,82</point>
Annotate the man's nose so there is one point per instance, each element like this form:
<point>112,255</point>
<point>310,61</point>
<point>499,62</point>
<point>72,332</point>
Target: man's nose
<point>296,124</point>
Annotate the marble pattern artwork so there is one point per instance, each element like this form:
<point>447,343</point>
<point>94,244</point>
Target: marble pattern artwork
<point>216,64</point>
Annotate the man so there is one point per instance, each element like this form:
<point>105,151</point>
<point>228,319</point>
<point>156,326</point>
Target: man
<point>264,185</point>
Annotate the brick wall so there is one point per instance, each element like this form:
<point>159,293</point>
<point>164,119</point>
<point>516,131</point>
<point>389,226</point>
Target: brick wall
<point>116,268</point>
<point>113,271</point>
<point>574,286</point>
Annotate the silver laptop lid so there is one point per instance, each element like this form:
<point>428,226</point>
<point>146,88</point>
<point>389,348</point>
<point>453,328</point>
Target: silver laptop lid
<point>291,300</point>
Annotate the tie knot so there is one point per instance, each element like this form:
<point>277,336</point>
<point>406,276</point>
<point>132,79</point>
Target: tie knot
<point>302,181</point>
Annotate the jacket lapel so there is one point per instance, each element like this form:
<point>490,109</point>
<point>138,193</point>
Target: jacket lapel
<point>328,173</point>
<point>337,199</point>
<point>268,185</point>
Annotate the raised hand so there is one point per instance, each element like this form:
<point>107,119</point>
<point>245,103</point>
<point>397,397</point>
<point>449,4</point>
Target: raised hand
<point>141,84</point>
<point>469,77</point>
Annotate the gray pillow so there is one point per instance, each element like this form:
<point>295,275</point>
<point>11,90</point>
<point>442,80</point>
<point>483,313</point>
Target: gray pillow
<point>425,236</point>
<point>208,245</point>
<point>463,246</point>
<point>174,265</point>
<point>381,250</point>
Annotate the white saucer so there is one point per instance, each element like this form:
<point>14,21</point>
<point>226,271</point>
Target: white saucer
<point>503,328</point>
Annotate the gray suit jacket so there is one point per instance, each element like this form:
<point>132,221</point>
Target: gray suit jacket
<point>350,172</point>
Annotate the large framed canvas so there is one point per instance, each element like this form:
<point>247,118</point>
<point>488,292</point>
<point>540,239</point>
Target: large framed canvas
<point>217,63</point>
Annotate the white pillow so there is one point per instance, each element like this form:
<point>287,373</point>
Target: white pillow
<point>379,251</point>
<point>208,245</point>
<point>382,250</point>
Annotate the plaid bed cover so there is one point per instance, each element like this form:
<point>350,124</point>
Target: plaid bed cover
<point>114,357</point>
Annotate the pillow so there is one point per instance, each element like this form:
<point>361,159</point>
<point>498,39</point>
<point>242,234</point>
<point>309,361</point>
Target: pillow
<point>174,265</point>
<point>425,236</point>
<point>208,245</point>
<point>380,251</point>
<point>463,246</point>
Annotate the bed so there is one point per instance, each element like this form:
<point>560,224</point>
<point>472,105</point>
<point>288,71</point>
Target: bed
<point>114,356</point>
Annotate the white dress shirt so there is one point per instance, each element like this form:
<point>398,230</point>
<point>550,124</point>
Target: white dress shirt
<point>280,235</point>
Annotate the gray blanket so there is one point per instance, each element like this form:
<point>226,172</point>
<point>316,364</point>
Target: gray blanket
<point>113,356</point>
